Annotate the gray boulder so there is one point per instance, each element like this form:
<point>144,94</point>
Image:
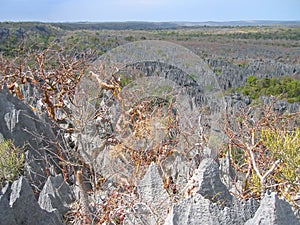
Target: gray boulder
<point>151,187</point>
<point>19,206</point>
<point>180,170</point>
<point>242,210</point>
<point>273,210</point>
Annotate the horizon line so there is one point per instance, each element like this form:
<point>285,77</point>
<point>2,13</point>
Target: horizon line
<point>153,21</point>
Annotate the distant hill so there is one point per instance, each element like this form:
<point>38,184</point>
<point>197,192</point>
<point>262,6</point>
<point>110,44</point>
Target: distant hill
<point>117,25</point>
<point>242,23</point>
<point>140,25</point>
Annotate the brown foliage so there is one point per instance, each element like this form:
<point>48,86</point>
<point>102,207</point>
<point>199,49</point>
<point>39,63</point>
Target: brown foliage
<point>252,160</point>
<point>53,73</point>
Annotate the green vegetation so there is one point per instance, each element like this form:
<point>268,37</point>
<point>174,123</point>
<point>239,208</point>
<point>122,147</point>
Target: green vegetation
<point>84,37</point>
<point>267,34</point>
<point>217,71</point>
<point>192,76</point>
<point>130,38</point>
<point>11,161</point>
<point>285,88</point>
<point>264,149</point>
<point>20,36</point>
<point>284,147</point>
<point>125,80</point>
<point>246,33</point>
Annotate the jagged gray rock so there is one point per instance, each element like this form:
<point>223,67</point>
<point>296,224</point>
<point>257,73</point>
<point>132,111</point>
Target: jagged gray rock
<point>7,216</point>
<point>142,214</point>
<point>242,210</point>
<point>273,210</point>
<point>195,210</point>
<point>56,195</point>
<point>207,182</point>
<point>152,193</point>
<point>19,206</point>
<point>20,124</point>
<point>180,170</point>
<point>199,210</point>
<point>208,200</point>
<point>151,186</point>
<point>227,173</point>
<point>1,137</point>
<point>233,75</point>
<point>281,106</point>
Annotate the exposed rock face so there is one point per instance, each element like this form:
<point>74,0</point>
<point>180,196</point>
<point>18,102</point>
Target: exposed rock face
<point>56,196</point>
<point>95,131</point>
<point>227,173</point>
<point>152,193</point>
<point>233,75</point>
<point>4,33</point>
<point>7,216</point>
<point>282,106</point>
<point>206,181</point>
<point>20,124</point>
<point>19,206</point>
<point>209,202</point>
<point>151,186</point>
<point>97,134</point>
<point>273,210</point>
<point>180,170</point>
<point>199,210</point>
<point>198,88</point>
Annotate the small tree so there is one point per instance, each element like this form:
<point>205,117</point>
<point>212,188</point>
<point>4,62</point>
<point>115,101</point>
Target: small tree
<point>264,148</point>
<point>53,72</point>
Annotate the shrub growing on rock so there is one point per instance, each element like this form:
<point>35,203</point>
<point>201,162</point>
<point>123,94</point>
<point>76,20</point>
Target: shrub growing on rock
<point>11,161</point>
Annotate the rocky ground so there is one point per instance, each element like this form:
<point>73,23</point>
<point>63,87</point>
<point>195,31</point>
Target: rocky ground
<point>199,193</point>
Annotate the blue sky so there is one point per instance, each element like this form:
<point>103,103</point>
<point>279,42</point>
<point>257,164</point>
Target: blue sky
<point>148,10</point>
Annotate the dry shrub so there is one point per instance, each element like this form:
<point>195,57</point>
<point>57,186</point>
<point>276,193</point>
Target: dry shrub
<point>264,150</point>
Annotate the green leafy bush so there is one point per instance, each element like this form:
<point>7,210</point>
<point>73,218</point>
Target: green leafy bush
<point>11,161</point>
<point>284,145</point>
<point>285,88</point>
